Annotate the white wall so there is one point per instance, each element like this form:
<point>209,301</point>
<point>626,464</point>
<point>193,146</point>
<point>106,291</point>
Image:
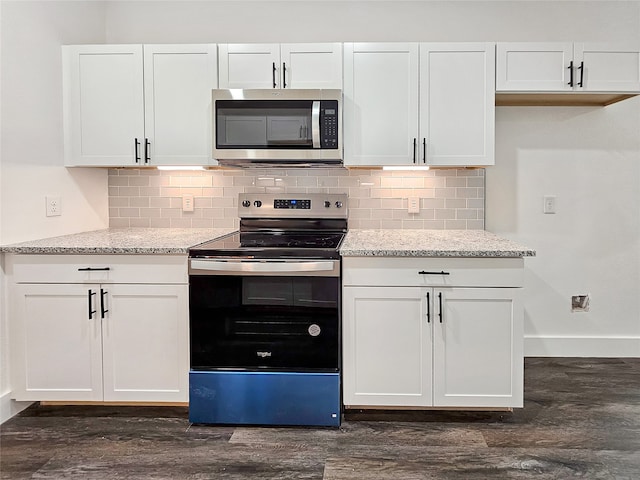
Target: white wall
<point>588,157</point>
<point>32,141</point>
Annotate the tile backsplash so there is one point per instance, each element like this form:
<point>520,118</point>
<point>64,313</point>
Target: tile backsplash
<point>449,198</point>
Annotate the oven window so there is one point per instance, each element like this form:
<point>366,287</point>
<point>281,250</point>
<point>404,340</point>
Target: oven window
<point>264,322</point>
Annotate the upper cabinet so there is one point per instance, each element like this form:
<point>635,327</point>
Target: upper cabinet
<point>590,73</point>
<point>428,104</point>
<point>287,65</point>
<point>135,105</point>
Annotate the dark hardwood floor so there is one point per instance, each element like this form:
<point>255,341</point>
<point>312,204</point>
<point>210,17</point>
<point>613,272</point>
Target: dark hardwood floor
<point>581,420</point>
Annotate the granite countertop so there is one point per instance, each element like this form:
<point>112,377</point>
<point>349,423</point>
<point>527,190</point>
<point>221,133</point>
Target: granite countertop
<point>121,241</point>
<point>430,243</point>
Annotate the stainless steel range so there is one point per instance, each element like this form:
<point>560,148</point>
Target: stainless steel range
<point>265,314</point>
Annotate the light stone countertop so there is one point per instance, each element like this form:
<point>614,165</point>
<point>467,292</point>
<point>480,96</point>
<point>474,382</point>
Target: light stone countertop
<point>430,243</point>
<point>121,241</point>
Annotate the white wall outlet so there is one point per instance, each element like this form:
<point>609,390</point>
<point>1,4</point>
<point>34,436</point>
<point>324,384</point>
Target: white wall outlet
<point>53,205</point>
<point>414,205</point>
<point>549,204</point>
<point>187,202</point>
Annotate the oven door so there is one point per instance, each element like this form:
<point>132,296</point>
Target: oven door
<point>278,315</point>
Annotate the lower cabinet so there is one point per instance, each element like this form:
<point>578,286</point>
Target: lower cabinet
<point>108,341</point>
<point>422,346</point>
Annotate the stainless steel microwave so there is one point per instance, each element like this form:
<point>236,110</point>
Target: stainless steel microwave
<point>279,127</point>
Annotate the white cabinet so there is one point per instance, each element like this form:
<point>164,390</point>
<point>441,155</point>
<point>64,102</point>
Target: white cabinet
<point>290,65</point>
<point>568,67</point>
<point>457,104</point>
<point>426,104</point>
<point>109,329</point>
<point>417,340</point>
<point>135,105</point>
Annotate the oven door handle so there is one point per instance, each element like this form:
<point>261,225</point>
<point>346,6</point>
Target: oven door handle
<point>265,266</point>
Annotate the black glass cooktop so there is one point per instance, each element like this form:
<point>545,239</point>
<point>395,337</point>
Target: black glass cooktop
<point>272,245</point>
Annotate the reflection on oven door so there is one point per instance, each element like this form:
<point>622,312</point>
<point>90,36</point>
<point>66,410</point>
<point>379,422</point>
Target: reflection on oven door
<point>271,291</point>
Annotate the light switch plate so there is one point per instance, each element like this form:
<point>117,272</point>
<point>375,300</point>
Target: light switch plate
<point>187,202</point>
<point>414,205</point>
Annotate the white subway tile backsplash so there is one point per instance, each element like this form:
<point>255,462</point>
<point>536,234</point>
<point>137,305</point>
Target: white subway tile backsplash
<point>449,198</point>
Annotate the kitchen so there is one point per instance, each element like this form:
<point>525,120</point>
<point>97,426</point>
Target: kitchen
<point>587,157</point>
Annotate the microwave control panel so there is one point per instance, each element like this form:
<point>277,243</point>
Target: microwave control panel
<point>329,124</point>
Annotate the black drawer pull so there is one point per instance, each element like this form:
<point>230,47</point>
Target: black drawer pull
<point>92,269</point>
<point>422,272</point>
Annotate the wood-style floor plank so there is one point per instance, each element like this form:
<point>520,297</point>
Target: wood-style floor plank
<point>581,420</point>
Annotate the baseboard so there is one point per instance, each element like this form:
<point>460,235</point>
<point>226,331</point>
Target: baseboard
<point>9,408</point>
<point>603,347</point>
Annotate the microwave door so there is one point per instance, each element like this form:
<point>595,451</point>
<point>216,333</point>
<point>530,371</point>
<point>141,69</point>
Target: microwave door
<point>245,130</point>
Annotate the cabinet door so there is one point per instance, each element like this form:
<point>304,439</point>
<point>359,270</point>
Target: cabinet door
<point>56,343</point>
<point>457,104</point>
<point>145,341</point>
<point>249,65</point>
<point>311,65</point>
<point>533,66</point>
<point>380,104</point>
<point>386,347</point>
<point>477,347</point>
<point>104,105</point>
<point>177,86</point>
<point>608,67</point>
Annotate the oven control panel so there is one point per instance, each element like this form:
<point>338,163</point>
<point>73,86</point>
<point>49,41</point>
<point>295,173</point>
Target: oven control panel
<point>292,203</point>
<point>279,205</point>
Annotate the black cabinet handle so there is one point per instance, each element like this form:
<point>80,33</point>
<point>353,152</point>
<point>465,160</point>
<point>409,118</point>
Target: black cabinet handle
<point>146,150</point>
<point>424,150</point>
<point>92,269</point>
<point>422,272</point>
<point>102,302</point>
<point>273,74</point>
<point>137,144</point>
<point>570,67</point>
<point>581,68</point>
<point>91,310</point>
<point>440,306</point>
<point>428,309</point>
<point>284,75</point>
<point>415,144</point>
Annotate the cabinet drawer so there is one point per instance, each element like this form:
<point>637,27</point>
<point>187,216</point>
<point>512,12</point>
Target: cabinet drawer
<point>97,268</point>
<point>438,272</point>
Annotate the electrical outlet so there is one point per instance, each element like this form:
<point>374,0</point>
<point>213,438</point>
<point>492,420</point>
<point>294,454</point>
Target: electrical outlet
<point>549,204</point>
<point>414,205</point>
<point>53,205</point>
<point>187,202</point>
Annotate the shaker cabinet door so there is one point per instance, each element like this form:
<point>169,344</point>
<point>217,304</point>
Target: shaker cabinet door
<point>608,67</point>
<point>387,347</point>
<point>477,347</point>
<point>249,65</point>
<point>145,339</point>
<point>457,104</point>
<point>534,66</point>
<point>57,349</point>
<point>311,65</point>
<point>104,105</point>
<point>177,86</point>
<point>380,104</point>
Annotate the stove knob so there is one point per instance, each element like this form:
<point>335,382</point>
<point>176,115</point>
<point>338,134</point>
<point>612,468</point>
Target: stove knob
<point>327,204</point>
<point>257,203</point>
<point>246,203</point>
<point>338,204</point>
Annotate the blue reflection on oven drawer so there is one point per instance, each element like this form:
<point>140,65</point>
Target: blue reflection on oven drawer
<point>264,398</point>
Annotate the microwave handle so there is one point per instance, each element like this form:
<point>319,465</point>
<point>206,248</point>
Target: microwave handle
<point>315,123</point>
